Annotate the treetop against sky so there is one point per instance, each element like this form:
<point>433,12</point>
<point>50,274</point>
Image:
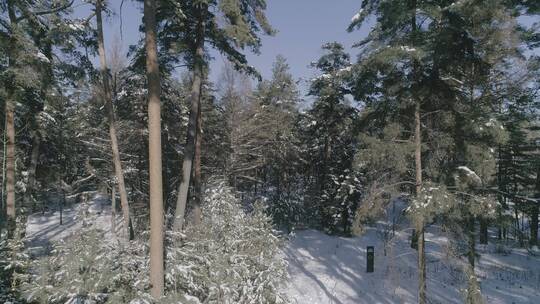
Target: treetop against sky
<point>302,27</point>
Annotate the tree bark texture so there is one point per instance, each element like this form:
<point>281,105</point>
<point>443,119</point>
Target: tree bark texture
<point>154,152</point>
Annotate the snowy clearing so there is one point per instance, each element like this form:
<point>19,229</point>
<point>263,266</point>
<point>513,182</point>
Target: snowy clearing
<point>43,229</point>
<point>326,269</point>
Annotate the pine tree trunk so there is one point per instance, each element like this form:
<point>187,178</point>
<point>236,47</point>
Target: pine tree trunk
<point>10,166</point>
<point>535,211</point>
<point>471,256</point>
<point>112,124</point>
<point>483,231</point>
<point>420,228</point>
<point>418,172</point>
<point>10,132</point>
<point>3,189</point>
<point>197,186</point>
<point>32,173</point>
<point>534,225</point>
<point>113,209</point>
<point>154,143</point>
<point>518,228</point>
<point>189,150</point>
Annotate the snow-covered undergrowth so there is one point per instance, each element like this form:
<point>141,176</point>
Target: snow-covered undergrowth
<point>82,260</point>
<point>231,257</point>
<point>326,269</point>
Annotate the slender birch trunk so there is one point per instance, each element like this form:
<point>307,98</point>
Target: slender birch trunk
<point>155,164</point>
<point>112,125</point>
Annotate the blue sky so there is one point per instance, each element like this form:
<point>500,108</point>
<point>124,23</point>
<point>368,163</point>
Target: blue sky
<point>302,25</point>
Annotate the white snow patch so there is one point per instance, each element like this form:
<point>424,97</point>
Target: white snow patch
<point>357,16</point>
<point>43,228</point>
<point>76,26</point>
<point>470,173</point>
<point>41,57</point>
<point>407,48</point>
<point>327,269</point>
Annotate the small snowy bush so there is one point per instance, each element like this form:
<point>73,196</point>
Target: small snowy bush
<point>231,257</point>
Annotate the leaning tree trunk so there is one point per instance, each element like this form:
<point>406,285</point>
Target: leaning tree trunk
<point>154,152</point>
<point>189,151</point>
<point>30,187</point>
<point>112,125</point>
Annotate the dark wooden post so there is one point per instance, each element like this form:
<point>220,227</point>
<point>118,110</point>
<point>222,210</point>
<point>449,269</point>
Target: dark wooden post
<point>414,240</point>
<point>370,259</point>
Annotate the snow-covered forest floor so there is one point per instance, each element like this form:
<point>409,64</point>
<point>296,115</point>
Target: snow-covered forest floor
<point>327,269</point>
<point>43,228</point>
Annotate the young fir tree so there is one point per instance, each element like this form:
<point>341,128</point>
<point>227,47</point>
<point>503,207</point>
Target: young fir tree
<point>275,113</point>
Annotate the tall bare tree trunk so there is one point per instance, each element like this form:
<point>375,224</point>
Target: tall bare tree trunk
<point>3,189</point>
<point>10,132</point>
<point>197,179</point>
<point>189,151</point>
<point>10,165</point>
<point>154,140</point>
<point>30,187</point>
<point>418,170</point>
<point>421,224</point>
<point>112,125</point>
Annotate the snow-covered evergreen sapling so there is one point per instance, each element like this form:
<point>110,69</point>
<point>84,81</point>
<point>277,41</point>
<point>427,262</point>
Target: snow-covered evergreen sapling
<point>90,267</point>
<point>231,257</point>
<point>14,263</point>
